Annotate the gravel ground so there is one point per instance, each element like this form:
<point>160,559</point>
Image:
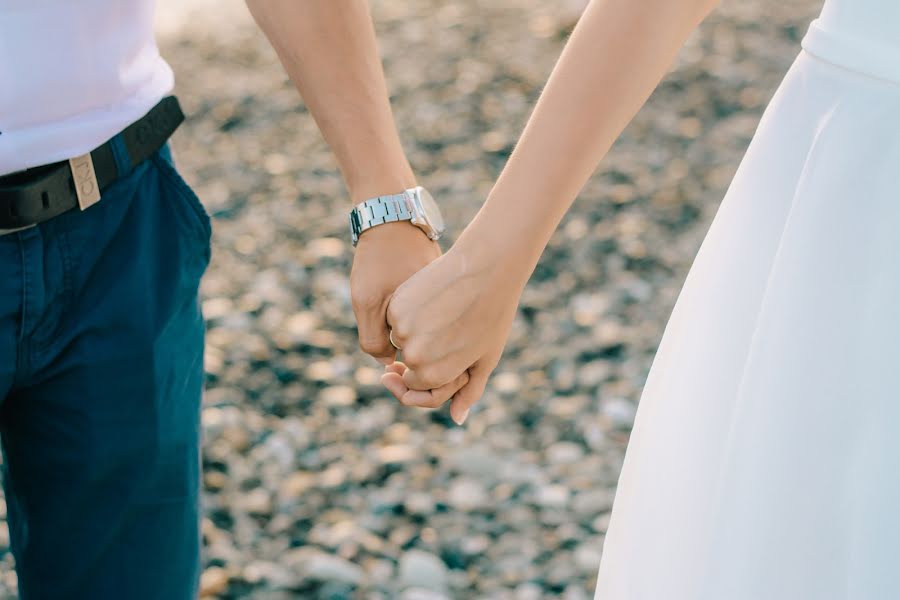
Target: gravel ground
<point>317,484</point>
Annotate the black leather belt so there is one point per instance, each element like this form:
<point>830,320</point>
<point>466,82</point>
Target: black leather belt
<point>38,194</point>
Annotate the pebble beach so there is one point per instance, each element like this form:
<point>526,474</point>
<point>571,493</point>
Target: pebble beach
<point>318,484</point>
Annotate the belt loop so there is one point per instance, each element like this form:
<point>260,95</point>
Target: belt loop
<point>120,154</point>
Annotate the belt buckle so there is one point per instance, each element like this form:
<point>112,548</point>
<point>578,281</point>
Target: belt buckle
<point>86,186</point>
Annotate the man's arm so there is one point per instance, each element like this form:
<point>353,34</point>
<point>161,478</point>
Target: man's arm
<point>328,48</point>
<point>329,51</point>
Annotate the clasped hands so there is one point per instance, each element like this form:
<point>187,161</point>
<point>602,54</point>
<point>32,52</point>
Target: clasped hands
<point>449,314</point>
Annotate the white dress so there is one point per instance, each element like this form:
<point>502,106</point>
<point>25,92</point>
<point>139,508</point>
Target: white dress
<point>764,462</point>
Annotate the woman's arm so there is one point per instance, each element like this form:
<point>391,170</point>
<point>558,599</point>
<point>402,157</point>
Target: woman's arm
<point>456,313</point>
<point>615,58</point>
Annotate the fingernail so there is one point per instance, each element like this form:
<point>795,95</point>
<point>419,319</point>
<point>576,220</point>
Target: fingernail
<point>462,417</point>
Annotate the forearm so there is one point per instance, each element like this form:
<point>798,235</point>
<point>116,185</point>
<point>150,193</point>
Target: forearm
<point>329,50</point>
<point>616,56</point>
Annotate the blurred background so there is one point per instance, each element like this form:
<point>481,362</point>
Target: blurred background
<point>317,483</point>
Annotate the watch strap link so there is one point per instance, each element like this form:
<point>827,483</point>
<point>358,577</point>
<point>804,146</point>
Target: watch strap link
<point>377,211</point>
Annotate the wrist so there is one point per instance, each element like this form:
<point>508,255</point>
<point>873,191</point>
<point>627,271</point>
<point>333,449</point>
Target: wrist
<point>507,233</point>
<point>398,234</point>
<point>380,182</point>
<point>484,247</point>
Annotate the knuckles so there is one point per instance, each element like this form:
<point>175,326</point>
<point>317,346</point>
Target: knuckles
<point>366,299</point>
<point>432,376</point>
<point>412,356</point>
<point>401,336</point>
<point>396,319</point>
<point>371,346</point>
<point>431,373</point>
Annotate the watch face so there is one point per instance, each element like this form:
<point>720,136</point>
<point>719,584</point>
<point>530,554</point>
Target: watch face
<point>431,210</point>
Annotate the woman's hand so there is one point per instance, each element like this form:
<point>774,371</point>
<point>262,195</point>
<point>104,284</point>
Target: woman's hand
<point>452,320</point>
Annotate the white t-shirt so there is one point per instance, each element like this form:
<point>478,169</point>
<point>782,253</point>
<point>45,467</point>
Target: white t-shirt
<point>73,73</point>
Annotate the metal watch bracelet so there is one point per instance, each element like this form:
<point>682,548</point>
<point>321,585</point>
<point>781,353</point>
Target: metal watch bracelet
<point>377,211</point>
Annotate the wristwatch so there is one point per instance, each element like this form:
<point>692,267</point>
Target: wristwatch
<point>415,205</point>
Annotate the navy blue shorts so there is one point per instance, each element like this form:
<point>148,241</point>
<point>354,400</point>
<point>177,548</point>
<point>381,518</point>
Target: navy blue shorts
<point>101,371</point>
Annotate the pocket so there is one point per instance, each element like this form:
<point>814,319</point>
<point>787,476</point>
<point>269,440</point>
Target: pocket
<point>186,206</point>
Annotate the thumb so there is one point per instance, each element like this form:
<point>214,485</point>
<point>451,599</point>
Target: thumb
<point>374,334</point>
<point>470,393</point>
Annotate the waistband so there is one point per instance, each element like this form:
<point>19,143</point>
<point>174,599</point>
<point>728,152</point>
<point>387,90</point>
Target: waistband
<point>872,57</point>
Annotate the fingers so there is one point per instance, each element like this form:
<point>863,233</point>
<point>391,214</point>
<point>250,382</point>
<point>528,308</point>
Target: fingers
<point>466,397</point>
<point>396,367</point>
<point>428,377</point>
<point>393,380</point>
<point>437,396</point>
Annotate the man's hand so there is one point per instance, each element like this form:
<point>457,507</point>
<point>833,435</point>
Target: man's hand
<point>328,48</point>
<point>386,256</point>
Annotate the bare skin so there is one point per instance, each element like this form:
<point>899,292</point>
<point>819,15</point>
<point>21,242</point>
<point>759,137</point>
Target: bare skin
<point>328,49</point>
<point>454,315</point>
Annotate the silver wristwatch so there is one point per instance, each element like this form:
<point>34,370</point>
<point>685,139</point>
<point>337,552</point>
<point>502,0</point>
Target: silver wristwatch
<point>415,205</point>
